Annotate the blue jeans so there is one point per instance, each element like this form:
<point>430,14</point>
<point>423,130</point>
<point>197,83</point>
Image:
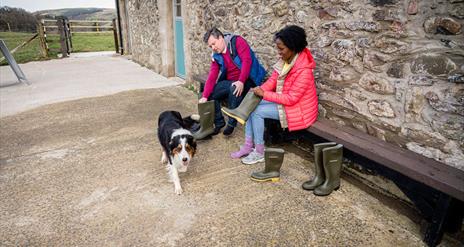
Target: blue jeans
<point>225,90</point>
<point>255,124</point>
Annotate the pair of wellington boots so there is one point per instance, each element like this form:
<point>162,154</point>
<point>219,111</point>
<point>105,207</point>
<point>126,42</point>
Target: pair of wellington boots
<point>206,112</point>
<point>273,158</point>
<point>243,111</point>
<point>328,159</point>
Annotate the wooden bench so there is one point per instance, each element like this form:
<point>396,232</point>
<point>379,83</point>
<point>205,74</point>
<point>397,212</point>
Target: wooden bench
<point>436,189</point>
<point>444,178</point>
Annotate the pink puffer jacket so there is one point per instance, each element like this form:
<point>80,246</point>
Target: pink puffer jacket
<point>298,95</point>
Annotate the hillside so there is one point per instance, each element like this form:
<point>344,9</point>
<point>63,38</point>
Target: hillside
<point>80,13</point>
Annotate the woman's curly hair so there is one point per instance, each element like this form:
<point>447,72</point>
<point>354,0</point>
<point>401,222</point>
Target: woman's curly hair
<point>293,37</point>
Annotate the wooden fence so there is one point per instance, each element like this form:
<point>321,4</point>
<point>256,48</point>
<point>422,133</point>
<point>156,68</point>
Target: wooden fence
<point>77,26</point>
<point>66,28</point>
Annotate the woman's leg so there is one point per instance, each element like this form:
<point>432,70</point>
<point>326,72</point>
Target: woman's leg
<point>264,110</point>
<point>249,128</point>
<point>247,147</point>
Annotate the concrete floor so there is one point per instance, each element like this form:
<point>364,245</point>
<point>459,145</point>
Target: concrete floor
<point>81,75</point>
<point>86,172</point>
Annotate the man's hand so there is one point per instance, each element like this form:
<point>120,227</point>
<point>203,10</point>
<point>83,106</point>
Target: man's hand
<point>238,88</point>
<point>202,100</point>
<point>258,91</point>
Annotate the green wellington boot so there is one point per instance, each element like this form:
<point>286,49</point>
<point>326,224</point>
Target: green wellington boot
<point>320,176</point>
<point>243,111</point>
<point>332,158</point>
<point>273,158</point>
<point>206,112</point>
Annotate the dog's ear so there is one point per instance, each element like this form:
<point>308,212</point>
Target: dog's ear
<point>193,143</point>
<point>172,145</point>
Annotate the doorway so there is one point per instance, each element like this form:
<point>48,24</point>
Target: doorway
<point>179,39</point>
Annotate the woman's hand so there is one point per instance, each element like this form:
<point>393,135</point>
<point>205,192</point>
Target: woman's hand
<point>258,91</point>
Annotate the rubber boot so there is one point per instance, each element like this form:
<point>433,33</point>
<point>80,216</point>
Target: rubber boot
<point>206,112</point>
<point>332,159</point>
<point>320,176</point>
<point>243,111</point>
<point>273,158</point>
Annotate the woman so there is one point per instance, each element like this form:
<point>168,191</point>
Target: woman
<point>289,95</point>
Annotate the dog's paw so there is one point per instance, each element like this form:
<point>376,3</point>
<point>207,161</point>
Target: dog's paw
<point>178,190</point>
<point>164,160</point>
<point>195,117</point>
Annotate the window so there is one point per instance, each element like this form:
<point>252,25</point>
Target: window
<point>177,8</point>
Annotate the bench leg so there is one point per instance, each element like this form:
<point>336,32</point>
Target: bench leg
<point>435,230</point>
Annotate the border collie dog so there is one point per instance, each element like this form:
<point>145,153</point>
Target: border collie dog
<point>177,142</point>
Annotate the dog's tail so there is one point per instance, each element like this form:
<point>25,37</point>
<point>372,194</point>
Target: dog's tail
<point>195,117</point>
<point>192,122</point>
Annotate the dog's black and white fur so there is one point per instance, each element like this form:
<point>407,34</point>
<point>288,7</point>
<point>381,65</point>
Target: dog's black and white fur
<point>177,142</point>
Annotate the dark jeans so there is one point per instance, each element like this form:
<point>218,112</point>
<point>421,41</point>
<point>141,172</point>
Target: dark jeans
<point>225,90</point>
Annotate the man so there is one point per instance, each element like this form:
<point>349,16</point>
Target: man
<point>234,70</point>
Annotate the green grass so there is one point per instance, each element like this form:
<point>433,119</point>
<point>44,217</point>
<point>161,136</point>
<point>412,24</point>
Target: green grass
<point>82,42</point>
<point>30,52</point>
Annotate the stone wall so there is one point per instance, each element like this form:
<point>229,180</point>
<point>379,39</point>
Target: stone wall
<point>390,68</point>
<point>143,22</point>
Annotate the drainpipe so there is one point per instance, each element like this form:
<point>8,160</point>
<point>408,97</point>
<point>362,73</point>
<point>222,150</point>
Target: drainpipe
<point>121,46</point>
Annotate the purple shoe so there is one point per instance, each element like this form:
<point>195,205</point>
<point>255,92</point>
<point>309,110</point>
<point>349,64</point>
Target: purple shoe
<point>244,151</point>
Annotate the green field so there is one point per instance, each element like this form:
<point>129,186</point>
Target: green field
<point>82,42</point>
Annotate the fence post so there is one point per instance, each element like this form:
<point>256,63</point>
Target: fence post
<point>42,39</point>
<point>61,30</point>
<point>69,34</point>
<point>115,35</point>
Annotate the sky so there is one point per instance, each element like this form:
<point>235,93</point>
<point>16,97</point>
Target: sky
<point>34,5</point>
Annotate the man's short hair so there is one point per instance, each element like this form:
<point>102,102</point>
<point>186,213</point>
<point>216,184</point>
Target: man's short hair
<point>212,32</point>
<point>293,37</point>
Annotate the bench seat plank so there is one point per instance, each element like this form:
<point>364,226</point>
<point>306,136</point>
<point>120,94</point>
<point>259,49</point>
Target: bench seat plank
<point>442,177</point>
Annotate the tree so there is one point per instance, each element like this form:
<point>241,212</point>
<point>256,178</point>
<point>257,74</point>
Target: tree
<point>17,20</point>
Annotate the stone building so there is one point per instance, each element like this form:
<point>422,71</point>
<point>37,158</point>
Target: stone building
<point>390,68</point>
